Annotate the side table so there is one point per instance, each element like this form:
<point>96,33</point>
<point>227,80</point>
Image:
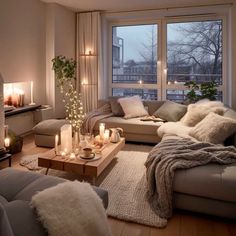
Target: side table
<point>5,157</point>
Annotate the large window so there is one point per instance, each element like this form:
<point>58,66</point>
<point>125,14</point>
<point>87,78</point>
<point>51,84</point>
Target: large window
<point>143,64</point>
<point>134,60</point>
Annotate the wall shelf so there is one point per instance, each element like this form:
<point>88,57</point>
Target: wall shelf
<point>20,110</point>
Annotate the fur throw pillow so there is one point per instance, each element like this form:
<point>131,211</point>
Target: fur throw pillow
<point>197,112</point>
<point>214,129</point>
<point>132,107</point>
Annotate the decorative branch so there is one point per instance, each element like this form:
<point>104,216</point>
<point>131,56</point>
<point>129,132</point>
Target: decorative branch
<point>65,76</point>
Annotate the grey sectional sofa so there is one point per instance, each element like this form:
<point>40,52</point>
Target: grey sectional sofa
<point>16,190</point>
<point>134,129</point>
<point>209,189</point>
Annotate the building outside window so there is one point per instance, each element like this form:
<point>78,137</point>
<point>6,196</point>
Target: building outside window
<point>189,50</point>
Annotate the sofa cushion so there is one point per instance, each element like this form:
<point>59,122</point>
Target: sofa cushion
<point>197,181</point>
<point>116,107</point>
<point>171,111</point>
<point>49,127</point>
<point>23,220</point>
<point>5,227</point>
<point>12,181</point>
<point>133,125</point>
<point>132,107</point>
<point>152,105</point>
<point>214,129</point>
<point>197,112</point>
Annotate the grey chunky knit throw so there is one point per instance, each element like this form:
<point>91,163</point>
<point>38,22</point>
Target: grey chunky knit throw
<point>173,154</point>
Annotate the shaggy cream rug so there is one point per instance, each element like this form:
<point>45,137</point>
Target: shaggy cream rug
<point>126,185</point>
<point>125,181</point>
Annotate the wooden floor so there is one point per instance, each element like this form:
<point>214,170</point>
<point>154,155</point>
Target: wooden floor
<point>181,224</point>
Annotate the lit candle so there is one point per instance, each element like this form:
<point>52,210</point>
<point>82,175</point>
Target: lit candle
<point>56,144</point>
<point>66,138</point>
<point>7,142</point>
<point>101,130</point>
<point>63,154</point>
<point>32,93</point>
<point>72,155</point>
<point>106,135</point>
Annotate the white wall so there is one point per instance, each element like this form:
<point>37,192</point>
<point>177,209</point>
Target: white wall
<point>22,43</point>
<point>61,38</point>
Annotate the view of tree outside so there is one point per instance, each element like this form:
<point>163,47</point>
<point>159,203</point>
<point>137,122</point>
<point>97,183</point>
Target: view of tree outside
<point>194,52</point>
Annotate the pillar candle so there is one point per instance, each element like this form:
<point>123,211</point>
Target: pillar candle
<point>66,138</point>
<point>56,143</point>
<point>106,135</point>
<point>101,130</point>
<point>7,142</point>
<point>32,93</point>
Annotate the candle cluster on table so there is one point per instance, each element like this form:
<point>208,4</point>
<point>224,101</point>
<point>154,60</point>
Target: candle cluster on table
<point>70,146</point>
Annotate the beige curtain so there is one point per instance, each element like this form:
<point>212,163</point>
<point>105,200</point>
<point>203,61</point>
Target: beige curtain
<point>89,57</point>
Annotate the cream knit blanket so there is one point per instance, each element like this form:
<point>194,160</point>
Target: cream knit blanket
<point>170,155</point>
<point>93,117</point>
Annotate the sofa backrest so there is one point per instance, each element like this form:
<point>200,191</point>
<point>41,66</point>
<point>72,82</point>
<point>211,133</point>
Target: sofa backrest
<point>152,105</point>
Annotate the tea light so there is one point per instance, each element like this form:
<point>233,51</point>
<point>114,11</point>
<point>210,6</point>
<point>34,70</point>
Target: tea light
<point>7,142</point>
<point>63,154</point>
<point>72,155</point>
<point>101,130</point>
<point>106,135</point>
<point>56,143</point>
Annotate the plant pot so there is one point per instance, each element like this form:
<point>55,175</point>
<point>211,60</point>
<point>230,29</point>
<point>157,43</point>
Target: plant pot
<point>16,147</point>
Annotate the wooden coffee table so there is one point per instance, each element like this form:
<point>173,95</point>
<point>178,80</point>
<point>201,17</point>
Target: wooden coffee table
<point>82,167</point>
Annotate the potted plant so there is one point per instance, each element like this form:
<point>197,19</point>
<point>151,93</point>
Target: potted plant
<point>65,70</point>
<point>200,91</point>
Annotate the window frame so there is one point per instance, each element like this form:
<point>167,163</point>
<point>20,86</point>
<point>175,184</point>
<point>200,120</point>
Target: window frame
<point>161,86</point>
<point>159,69</point>
<point>167,86</point>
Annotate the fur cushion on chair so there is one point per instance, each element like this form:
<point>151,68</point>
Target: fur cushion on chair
<point>69,208</point>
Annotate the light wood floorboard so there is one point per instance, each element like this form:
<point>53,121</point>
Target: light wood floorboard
<point>181,224</point>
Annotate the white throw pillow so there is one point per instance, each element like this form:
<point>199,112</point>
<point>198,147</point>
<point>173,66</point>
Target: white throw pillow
<point>197,112</point>
<point>214,129</point>
<point>132,107</point>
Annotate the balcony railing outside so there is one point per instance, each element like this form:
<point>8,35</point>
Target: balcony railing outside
<point>173,78</point>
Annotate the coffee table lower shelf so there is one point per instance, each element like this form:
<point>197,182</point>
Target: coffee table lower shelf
<point>82,167</point>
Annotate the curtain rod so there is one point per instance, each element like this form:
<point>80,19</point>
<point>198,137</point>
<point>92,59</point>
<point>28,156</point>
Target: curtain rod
<point>161,8</point>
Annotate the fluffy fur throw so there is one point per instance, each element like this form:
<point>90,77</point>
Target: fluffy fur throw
<point>172,154</point>
<point>71,209</point>
<point>174,128</point>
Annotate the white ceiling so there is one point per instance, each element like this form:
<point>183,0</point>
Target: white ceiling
<point>116,5</point>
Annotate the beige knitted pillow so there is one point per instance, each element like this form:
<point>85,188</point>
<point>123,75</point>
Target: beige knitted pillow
<point>214,129</point>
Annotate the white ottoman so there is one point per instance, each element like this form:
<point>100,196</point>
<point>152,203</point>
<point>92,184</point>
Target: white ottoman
<point>45,131</point>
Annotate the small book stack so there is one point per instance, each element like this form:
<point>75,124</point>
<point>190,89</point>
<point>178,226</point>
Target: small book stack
<point>152,118</point>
